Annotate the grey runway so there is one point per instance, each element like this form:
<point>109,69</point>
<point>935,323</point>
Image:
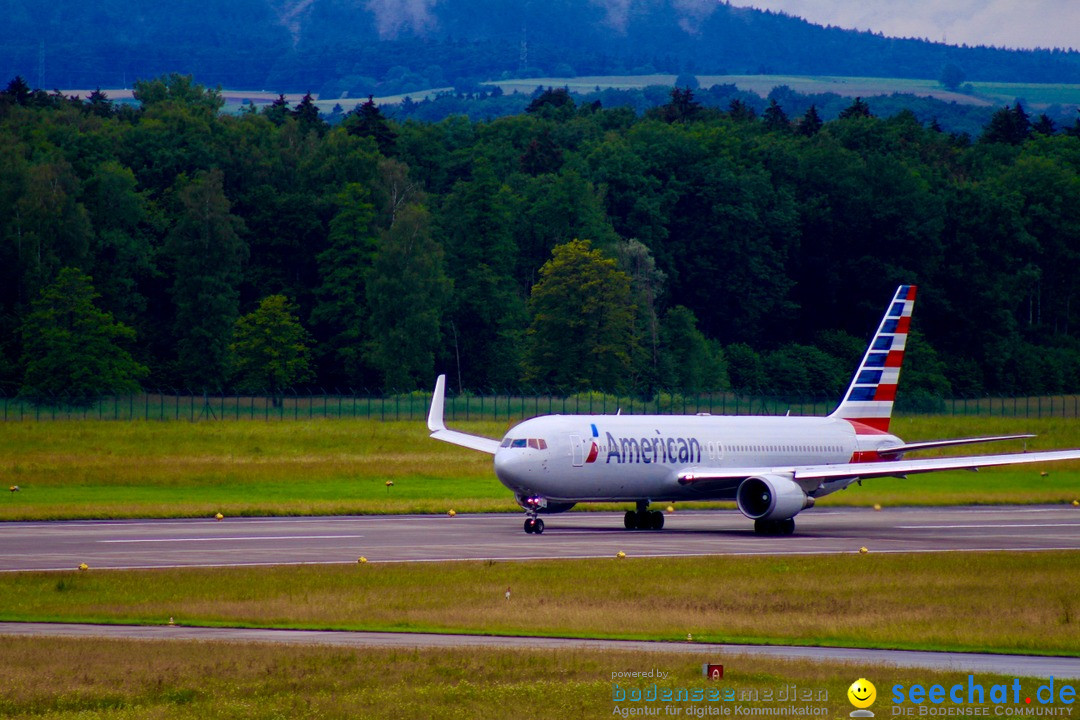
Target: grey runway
<point>1009,665</point>
<point>28,546</point>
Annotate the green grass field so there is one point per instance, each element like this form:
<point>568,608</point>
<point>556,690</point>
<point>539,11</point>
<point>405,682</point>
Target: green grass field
<point>90,679</point>
<point>103,469</point>
<point>1000,602</point>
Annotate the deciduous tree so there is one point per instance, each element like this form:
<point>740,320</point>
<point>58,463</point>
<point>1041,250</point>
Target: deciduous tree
<point>582,334</point>
<point>270,349</point>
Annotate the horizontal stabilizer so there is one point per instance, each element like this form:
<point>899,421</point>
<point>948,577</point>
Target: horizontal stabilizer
<point>934,444</point>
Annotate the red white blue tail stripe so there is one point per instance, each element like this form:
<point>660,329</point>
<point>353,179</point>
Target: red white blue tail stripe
<point>869,400</point>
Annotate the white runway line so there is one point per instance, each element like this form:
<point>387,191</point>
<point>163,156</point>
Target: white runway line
<point>241,538</point>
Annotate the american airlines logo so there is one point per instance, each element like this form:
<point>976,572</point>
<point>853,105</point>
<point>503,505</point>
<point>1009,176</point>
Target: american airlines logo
<point>647,450</point>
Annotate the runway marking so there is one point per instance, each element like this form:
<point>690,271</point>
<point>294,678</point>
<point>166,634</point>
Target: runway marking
<point>235,539</point>
<point>985,527</point>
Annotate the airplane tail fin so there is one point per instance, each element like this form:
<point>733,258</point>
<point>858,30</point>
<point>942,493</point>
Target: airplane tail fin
<point>869,398</point>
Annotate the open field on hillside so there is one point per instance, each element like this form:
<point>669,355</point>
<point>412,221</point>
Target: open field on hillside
<point>99,469</point>
<point>1036,95</point>
<point>69,678</point>
<point>985,93</point>
<point>875,600</point>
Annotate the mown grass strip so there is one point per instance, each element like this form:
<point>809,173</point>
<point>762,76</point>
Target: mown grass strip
<point>998,602</point>
<point>102,469</point>
<point>82,678</point>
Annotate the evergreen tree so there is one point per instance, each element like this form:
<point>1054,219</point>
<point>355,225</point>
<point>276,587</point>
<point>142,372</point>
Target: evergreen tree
<point>775,119</point>
<point>307,114</point>
<point>277,111</point>
<point>73,351</point>
<point>681,108</point>
<point>857,109</point>
<point>340,315</point>
<point>1044,125</point>
<point>207,250</point>
<point>740,111</point>
<point>368,121</point>
<point>18,91</point>
<point>270,349</point>
<point>406,293</point>
<point>1007,125</point>
<point>810,123</point>
<point>476,225</point>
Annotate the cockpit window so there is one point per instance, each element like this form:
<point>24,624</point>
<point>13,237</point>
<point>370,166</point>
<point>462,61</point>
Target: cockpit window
<point>534,443</point>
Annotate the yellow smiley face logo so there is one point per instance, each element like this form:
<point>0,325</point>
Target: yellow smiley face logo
<point>862,693</point>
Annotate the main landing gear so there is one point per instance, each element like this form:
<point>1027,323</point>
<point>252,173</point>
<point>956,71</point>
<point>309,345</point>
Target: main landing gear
<point>774,527</point>
<point>643,518</point>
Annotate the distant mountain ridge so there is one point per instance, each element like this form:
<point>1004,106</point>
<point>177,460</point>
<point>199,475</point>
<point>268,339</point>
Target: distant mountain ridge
<point>356,46</point>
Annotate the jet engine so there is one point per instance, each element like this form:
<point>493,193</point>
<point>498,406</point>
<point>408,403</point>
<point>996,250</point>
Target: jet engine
<point>771,498</point>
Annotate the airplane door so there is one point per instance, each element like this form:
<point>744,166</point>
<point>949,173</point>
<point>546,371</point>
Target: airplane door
<point>577,451</point>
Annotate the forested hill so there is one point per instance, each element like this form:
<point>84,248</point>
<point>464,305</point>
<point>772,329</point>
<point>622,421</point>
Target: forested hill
<point>569,247</point>
<point>383,47</point>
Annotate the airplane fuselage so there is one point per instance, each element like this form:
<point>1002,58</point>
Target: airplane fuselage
<point>583,458</point>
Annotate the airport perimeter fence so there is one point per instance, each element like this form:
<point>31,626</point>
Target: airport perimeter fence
<point>178,405</point>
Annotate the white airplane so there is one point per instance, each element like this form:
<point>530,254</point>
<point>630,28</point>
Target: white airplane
<point>773,467</point>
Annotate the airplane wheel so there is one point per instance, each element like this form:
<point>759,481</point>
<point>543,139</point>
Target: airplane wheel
<point>538,528</point>
<point>775,527</point>
<point>630,520</point>
<point>656,520</point>
<point>530,526</point>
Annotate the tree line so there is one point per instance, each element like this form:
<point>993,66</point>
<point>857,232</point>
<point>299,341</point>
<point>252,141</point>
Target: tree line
<point>573,246</point>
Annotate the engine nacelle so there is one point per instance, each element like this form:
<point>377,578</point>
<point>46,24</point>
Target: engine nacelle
<point>771,497</point>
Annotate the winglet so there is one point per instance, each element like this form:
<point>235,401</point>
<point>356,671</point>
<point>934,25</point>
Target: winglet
<point>437,425</point>
<point>438,401</point>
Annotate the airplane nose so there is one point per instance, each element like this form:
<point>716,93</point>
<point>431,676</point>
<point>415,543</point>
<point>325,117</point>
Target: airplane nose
<point>512,468</point>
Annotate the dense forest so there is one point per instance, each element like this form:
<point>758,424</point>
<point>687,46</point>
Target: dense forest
<point>574,246</point>
<point>334,47</point>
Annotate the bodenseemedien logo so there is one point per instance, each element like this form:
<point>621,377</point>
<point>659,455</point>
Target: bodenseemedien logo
<point>862,695</point>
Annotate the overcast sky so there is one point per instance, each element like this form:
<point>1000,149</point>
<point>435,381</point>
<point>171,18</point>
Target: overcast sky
<point>1008,23</point>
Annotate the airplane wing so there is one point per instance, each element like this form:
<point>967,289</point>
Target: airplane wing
<point>439,430</point>
<point>859,471</point>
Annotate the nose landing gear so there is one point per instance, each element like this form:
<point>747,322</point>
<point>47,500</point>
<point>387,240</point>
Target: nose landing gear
<point>533,505</point>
